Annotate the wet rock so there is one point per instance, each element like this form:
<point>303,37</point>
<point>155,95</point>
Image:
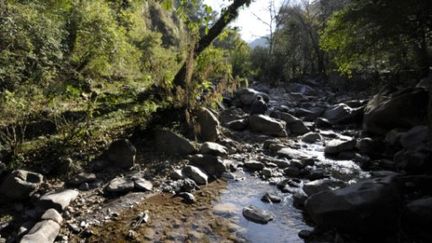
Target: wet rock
<point>44,231</point>
<point>305,234</point>
<point>267,173</point>
<point>309,115</point>
<point>290,153</point>
<point>403,109</point>
<point>299,199</point>
<point>120,185</point>
<point>369,206</point>
<point>143,185</point>
<point>195,174</point>
<point>292,171</point>
<point>58,200</point>
<point>228,115</point>
<point>259,106</point>
<point>366,146</point>
<point>121,154</point>
<point>52,214</point>
<point>303,89</point>
<point>342,113</point>
<point>213,149</point>
<point>294,125</point>
<point>212,165</point>
<point>316,186</point>
<point>257,215</point>
<point>266,125</point>
<point>311,137</point>
<point>273,145</point>
<point>253,165</point>
<point>238,125</point>
<point>392,138</point>
<point>336,146</point>
<point>415,137</point>
<point>187,197</point>
<point>323,123</point>
<point>271,198</point>
<point>209,125</point>
<point>82,177</point>
<point>20,184</point>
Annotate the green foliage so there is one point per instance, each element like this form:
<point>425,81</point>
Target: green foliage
<point>380,35</point>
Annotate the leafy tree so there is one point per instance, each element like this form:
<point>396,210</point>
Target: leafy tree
<point>380,35</point>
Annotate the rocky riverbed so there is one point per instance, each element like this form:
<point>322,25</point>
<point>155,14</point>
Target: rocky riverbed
<point>287,164</point>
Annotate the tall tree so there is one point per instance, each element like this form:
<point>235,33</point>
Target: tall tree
<point>226,17</point>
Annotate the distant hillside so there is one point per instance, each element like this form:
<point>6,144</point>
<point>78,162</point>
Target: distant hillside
<point>261,41</point>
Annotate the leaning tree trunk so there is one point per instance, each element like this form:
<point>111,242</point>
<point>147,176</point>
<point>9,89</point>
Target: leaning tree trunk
<point>227,16</point>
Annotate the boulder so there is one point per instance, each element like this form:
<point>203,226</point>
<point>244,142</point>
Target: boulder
<point>121,154</point>
<point>271,198</point>
<point>120,185</point>
<point>290,153</point>
<point>238,125</point>
<point>294,125</point>
<point>415,137</point>
<point>172,143</point>
<point>370,206</point>
<point>316,186</point>
<point>257,215</point>
<point>253,165</point>
<point>213,149</point>
<point>342,113</point>
<point>209,125</point>
<point>266,125</point>
<point>248,96</point>
<point>259,106</point>
<point>141,184</point>
<point>20,184</point>
<point>211,164</point>
<point>303,89</point>
<point>52,214</point>
<point>309,114</point>
<point>336,146</point>
<point>45,231</point>
<point>403,109</point>
<point>195,174</point>
<point>311,137</point>
<point>82,177</point>
<point>58,200</point>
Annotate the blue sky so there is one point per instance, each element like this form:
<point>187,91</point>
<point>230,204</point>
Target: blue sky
<point>251,28</point>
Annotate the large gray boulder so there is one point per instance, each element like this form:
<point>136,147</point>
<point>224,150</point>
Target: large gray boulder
<point>46,231</point>
<point>120,185</point>
<point>209,125</point>
<point>213,149</point>
<point>342,113</point>
<point>366,207</point>
<point>121,154</point>
<point>211,164</point>
<point>268,126</point>
<point>336,146</point>
<point>294,125</point>
<point>20,184</point>
<point>403,109</point>
<point>195,174</point>
<point>172,143</point>
<point>248,96</point>
<point>58,200</point>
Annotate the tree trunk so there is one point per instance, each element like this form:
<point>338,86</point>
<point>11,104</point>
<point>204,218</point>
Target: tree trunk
<point>227,16</point>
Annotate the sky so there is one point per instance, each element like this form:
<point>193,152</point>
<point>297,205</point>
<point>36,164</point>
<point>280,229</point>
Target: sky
<point>250,27</point>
